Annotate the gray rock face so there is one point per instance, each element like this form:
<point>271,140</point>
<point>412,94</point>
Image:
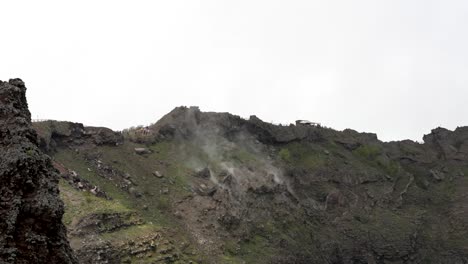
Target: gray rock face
<point>103,136</point>
<point>345,197</point>
<point>142,151</point>
<point>31,230</point>
<point>449,145</point>
<point>186,122</point>
<point>58,133</point>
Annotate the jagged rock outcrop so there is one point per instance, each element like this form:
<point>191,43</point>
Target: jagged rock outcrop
<point>187,122</point>
<point>449,145</point>
<point>54,133</point>
<point>31,230</point>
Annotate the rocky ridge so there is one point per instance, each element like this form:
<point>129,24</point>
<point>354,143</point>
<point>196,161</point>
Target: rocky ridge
<point>381,202</point>
<point>234,190</point>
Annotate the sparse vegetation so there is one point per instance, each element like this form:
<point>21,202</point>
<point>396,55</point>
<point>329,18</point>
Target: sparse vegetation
<point>78,204</point>
<point>302,155</point>
<point>328,182</point>
<point>369,152</point>
<point>285,155</point>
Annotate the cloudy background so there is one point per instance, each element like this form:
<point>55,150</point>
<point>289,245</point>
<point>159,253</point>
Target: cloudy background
<point>396,68</point>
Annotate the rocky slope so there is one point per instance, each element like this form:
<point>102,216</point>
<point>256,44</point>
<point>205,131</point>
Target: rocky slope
<point>31,230</point>
<point>215,188</point>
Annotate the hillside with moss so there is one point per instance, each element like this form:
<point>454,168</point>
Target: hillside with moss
<point>202,187</point>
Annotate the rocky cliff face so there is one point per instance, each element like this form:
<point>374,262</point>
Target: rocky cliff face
<point>199,187</point>
<point>346,196</point>
<point>31,230</point>
<point>216,188</point>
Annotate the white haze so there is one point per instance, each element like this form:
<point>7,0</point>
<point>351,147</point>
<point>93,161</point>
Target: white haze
<point>215,149</point>
<point>397,68</point>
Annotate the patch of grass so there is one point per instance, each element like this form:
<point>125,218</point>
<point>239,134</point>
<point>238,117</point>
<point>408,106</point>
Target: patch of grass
<point>79,204</point>
<point>263,246</point>
<point>161,150</point>
<point>132,232</point>
<point>369,152</point>
<point>373,155</point>
<point>391,167</point>
<point>285,155</point>
<point>313,161</point>
<point>76,162</point>
<point>442,194</point>
<point>153,207</point>
<point>231,260</point>
<point>465,171</point>
<point>386,220</point>
<point>303,155</point>
<point>163,204</point>
<point>256,250</point>
<point>30,152</point>
<point>231,247</point>
<point>241,156</point>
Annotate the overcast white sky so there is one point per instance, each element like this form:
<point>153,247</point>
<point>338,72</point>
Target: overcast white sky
<point>396,68</point>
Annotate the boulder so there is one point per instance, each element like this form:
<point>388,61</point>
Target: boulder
<point>135,192</point>
<point>142,151</point>
<point>158,174</point>
<point>203,173</point>
<point>437,175</point>
<point>104,136</point>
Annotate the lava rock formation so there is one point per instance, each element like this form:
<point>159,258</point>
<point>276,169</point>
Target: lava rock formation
<point>31,229</point>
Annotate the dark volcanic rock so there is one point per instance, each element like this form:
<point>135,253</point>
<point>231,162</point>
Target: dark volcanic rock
<point>189,122</point>
<point>53,134</point>
<point>99,253</point>
<point>31,230</point>
<point>449,145</point>
<point>103,136</point>
<point>203,173</point>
